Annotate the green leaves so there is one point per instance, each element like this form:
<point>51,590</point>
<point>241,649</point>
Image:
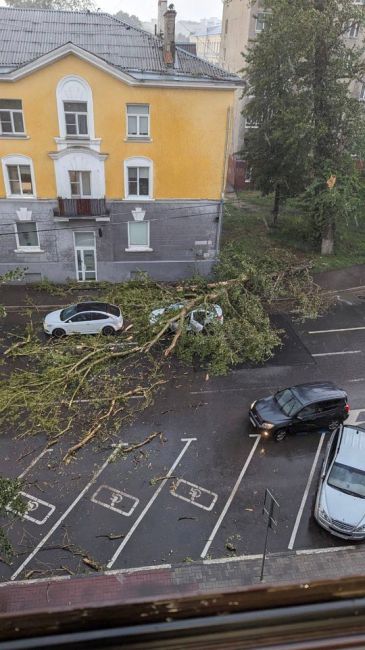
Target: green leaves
<point>303,72</point>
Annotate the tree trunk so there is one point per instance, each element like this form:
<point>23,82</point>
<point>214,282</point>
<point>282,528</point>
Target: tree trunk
<point>276,208</point>
<point>328,239</point>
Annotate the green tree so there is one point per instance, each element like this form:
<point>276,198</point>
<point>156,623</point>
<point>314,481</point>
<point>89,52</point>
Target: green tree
<point>301,70</point>
<point>130,19</point>
<point>70,5</point>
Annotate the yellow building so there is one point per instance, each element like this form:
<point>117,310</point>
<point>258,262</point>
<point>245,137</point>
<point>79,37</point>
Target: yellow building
<point>113,148</point>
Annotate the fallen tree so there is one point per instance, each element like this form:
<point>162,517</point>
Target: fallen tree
<point>56,386</point>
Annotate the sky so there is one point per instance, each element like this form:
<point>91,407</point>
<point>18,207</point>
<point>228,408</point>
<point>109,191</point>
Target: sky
<point>147,9</point>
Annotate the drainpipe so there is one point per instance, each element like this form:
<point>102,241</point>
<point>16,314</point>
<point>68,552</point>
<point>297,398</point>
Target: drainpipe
<point>224,177</point>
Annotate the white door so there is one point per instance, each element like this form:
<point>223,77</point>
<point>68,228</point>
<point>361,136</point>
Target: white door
<point>85,251</point>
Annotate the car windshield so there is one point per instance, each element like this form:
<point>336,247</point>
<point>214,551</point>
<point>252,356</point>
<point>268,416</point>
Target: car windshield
<point>347,479</point>
<point>288,403</point>
<point>68,312</point>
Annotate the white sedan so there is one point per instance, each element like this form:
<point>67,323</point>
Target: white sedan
<point>84,318</point>
<point>197,319</point>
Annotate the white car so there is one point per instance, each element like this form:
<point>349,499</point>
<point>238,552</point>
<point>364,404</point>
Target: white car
<point>197,319</point>
<point>84,318</point>
<point>340,503</point>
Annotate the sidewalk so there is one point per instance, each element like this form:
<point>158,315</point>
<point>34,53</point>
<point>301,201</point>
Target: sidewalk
<point>304,568</point>
<point>22,294</point>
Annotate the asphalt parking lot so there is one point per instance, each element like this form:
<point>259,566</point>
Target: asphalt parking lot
<point>196,491</point>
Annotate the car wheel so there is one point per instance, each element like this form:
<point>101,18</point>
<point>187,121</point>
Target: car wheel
<point>108,330</point>
<point>58,332</point>
<point>279,435</point>
<point>333,425</point>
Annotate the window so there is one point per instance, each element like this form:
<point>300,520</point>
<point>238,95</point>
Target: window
<point>138,181</point>
<point>226,26</point>
<point>362,93</point>
<point>76,118</point>
<point>353,30</point>
<point>20,180</point>
<point>251,123</point>
<point>138,235</point>
<point>11,117</point>
<point>138,119</point>
<point>27,236</point>
<point>248,174</point>
<point>80,183</point>
<point>261,20</point>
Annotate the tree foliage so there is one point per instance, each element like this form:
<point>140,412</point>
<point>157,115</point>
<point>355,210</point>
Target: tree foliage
<point>66,5</point>
<point>130,19</point>
<point>49,378</point>
<point>301,70</point>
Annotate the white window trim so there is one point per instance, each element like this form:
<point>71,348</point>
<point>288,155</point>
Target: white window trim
<point>133,249</point>
<point>88,98</point>
<point>129,136</point>
<point>14,134</point>
<point>26,249</point>
<point>18,159</point>
<point>138,162</point>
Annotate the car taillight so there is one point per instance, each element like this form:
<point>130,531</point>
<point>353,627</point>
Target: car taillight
<point>347,408</point>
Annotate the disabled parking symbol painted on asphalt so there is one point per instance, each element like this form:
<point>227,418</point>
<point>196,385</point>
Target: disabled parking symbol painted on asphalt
<point>194,494</point>
<point>41,510</point>
<point>116,500</point>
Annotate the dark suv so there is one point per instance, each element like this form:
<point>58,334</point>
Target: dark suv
<point>307,407</point>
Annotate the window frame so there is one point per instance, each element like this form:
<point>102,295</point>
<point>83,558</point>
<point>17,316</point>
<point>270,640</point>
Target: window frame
<point>138,136</point>
<point>77,114</point>
<point>26,249</point>
<point>138,162</point>
<point>139,248</point>
<point>80,183</point>
<point>257,20</point>
<point>13,133</point>
<point>18,160</point>
<point>355,28</point>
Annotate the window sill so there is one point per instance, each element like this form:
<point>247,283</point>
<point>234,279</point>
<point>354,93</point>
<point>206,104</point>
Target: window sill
<point>14,136</point>
<point>21,197</point>
<point>29,249</point>
<point>139,249</point>
<point>139,199</point>
<point>138,138</point>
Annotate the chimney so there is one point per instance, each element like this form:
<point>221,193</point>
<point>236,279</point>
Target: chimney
<point>162,8</point>
<point>169,36</point>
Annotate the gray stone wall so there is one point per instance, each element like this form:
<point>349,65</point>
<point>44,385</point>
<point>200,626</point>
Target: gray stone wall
<point>183,236</point>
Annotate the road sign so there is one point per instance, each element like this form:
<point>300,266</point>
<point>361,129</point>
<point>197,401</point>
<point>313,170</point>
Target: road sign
<point>270,511</point>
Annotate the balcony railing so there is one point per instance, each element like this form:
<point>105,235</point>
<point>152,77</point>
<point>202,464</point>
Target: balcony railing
<point>81,208</point>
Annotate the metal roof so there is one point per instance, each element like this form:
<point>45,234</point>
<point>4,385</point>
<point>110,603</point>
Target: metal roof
<point>27,34</point>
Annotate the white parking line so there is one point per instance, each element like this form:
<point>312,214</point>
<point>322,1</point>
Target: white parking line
<point>149,504</point>
<point>230,499</point>
<point>47,450</point>
<point>306,492</point>
<point>333,354</point>
<point>344,329</point>
<point>63,517</point>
